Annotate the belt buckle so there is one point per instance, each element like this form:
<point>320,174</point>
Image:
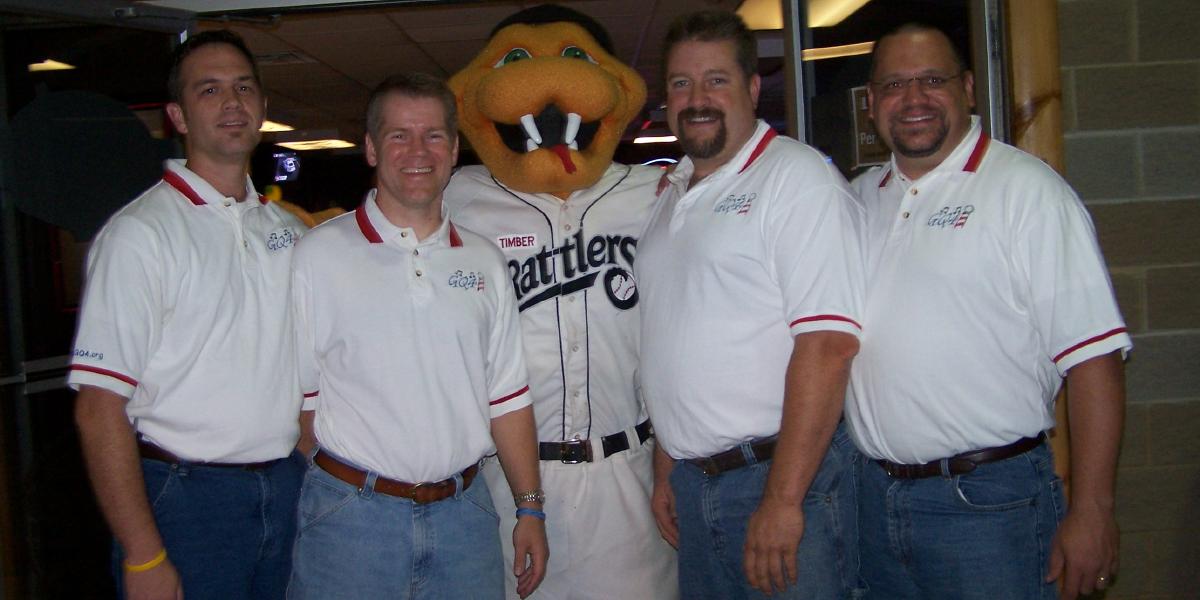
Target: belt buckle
<point>412,492</point>
<point>575,452</point>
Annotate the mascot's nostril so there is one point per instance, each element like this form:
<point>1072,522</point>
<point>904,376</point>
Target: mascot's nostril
<point>551,126</point>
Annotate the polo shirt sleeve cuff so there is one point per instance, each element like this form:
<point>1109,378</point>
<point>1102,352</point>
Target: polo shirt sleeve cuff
<point>510,402</point>
<point>310,400</point>
<point>1091,347</point>
<point>117,383</point>
<point>825,322</point>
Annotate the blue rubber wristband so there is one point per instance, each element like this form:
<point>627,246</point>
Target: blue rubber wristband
<point>529,512</point>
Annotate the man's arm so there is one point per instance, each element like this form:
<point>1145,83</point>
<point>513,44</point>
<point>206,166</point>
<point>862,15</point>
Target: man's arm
<point>1086,543</point>
<point>114,467</point>
<point>662,499</point>
<point>308,438</point>
<point>516,445</point>
<point>814,392</point>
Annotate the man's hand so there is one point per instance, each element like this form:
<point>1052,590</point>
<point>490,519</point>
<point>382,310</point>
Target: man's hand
<point>1084,550</point>
<point>662,504</point>
<point>772,538</point>
<point>531,551</point>
<point>160,583</point>
<point>662,498</point>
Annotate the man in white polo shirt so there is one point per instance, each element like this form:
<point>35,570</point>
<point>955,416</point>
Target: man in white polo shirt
<point>184,355</point>
<point>410,358</point>
<point>986,289</point>
<point>751,283</point>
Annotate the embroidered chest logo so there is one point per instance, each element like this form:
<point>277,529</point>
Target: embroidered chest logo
<point>521,240</point>
<point>735,204</point>
<point>955,218</point>
<point>282,238</point>
<point>575,265</point>
<point>467,280</point>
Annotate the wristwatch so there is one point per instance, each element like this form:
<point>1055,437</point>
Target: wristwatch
<point>537,495</point>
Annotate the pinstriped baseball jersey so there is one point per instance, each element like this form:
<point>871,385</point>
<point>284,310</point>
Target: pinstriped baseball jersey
<point>571,265</point>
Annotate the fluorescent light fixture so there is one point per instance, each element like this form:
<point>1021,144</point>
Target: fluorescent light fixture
<point>768,14</point>
<point>49,65</point>
<point>654,139</point>
<point>272,126</point>
<point>837,51</point>
<point>827,13</point>
<point>327,144</point>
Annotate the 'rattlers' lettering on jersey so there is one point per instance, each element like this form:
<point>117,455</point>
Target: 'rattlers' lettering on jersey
<point>535,279</point>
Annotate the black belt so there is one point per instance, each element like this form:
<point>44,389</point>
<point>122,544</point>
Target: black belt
<point>579,451</point>
<point>152,452</point>
<point>961,463</point>
<point>729,460</point>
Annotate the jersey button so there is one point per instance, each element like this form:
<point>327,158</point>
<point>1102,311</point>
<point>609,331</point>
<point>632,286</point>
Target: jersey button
<point>914,192</point>
<point>575,348</point>
<point>418,272</point>
<point>905,215</point>
<point>403,234</point>
<point>567,227</point>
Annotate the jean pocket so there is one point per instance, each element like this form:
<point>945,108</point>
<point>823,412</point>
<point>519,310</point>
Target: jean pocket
<point>998,486</point>
<point>321,498</point>
<point>160,479</point>
<point>483,501</point>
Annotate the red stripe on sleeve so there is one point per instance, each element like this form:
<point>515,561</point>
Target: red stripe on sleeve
<point>1091,340</point>
<point>105,372</point>
<point>509,397</point>
<point>825,318</point>
<point>312,394</point>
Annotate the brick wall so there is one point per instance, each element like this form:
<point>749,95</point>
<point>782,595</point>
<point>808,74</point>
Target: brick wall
<point>1131,111</point>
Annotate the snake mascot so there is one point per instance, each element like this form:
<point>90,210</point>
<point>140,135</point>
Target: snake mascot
<point>544,105</point>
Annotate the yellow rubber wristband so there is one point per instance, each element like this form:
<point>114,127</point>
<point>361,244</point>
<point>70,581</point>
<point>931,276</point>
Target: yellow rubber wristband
<point>150,564</point>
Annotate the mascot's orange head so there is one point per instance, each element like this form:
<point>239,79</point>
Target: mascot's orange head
<point>545,103</point>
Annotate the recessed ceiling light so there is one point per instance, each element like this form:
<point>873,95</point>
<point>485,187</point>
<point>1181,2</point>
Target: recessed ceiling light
<point>49,65</point>
<point>272,126</point>
<point>654,139</point>
<point>329,144</point>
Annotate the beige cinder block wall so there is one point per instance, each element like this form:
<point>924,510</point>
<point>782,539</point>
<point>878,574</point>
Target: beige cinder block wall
<point>1131,120</point>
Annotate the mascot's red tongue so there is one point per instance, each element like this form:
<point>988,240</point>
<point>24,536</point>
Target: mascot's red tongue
<point>564,154</point>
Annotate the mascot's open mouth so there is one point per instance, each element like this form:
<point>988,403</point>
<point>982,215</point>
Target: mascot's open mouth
<point>552,130</point>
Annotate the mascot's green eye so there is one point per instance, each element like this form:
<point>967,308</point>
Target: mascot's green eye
<point>576,52</point>
<point>513,56</point>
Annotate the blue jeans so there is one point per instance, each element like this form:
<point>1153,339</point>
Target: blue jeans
<point>983,535</point>
<point>360,544</point>
<point>228,531</point>
<point>713,513</point>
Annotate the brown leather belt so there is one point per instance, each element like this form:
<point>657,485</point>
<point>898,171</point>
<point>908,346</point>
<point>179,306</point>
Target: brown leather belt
<point>735,459</point>
<point>961,463</point>
<point>153,452</point>
<point>421,493</point>
<point>580,451</point>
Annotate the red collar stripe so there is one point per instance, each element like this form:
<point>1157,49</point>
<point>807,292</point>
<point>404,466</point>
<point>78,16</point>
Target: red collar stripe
<point>262,199</point>
<point>825,318</point>
<point>455,241</point>
<point>759,149</point>
<point>312,394</point>
<point>977,154</point>
<point>509,397</point>
<point>1091,340</point>
<point>886,178</point>
<point>182,186</point>
<point>364,224</point>
<point>106,372</point>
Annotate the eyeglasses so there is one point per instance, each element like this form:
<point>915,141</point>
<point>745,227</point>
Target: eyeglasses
<point>926,83</point>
